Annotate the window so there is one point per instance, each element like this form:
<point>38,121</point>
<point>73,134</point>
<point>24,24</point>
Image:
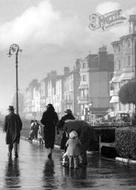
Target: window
<point>128,43</point>
<point>119,65</point>
<point>119,48</point>
<point>129,61</point>
<point>84,77</point>
<point>84,65</point>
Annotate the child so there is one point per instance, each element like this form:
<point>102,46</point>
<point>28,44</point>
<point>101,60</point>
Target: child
<point>40,135</point>
<point>73,150</point>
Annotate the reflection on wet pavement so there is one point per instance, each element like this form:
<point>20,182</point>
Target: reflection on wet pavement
<point>12,174</point>
<point>34,171</point>
<point>48,175</point>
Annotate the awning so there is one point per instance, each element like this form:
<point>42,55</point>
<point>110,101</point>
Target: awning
<point>85,86</point>
<point>114,99</point>
<point>115,79</point>
<point>126,76</point>
<point>112,114</point>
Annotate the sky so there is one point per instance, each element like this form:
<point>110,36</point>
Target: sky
<point>52,34</point>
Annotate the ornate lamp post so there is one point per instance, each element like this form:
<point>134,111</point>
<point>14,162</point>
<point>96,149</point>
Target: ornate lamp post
<point>14,49</point>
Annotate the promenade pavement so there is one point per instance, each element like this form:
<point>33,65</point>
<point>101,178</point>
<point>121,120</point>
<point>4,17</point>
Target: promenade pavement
<point>34,171</point>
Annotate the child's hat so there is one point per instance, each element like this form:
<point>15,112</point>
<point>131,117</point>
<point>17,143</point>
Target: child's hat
<point>73,134</point>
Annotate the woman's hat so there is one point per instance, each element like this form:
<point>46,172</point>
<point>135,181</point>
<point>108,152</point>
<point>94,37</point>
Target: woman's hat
<point>68,111</point>
<point>73,134</point>
<point>11,108</point>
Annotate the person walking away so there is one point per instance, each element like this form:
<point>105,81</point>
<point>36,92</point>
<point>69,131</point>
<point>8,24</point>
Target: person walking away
<point>60,127</point>
<point>49,120</point>
<point>12,127</point>
<point>73,150</point>
<point>36,127</point>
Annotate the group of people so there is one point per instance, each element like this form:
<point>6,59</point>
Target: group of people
<point>75,136</point>
<point>74,141</point>
<point>36,131</point>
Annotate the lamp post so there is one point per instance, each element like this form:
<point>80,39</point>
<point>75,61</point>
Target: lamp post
<point>14,49</point>
<point>91,110</point>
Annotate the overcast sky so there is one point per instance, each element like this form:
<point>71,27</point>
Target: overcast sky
<point>52,34</point>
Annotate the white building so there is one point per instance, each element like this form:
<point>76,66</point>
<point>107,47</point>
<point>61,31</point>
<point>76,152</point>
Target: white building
<point>124,66</point>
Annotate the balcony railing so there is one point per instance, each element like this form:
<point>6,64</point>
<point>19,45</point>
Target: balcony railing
<point>113,93</point>
<point>83,99</point>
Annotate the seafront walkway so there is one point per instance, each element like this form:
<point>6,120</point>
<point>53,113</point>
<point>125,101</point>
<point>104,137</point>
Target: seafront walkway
<point>34,171</point>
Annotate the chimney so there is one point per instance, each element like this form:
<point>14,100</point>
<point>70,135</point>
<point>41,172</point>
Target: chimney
<point>103,50</point>
<point>132,24</point>
<point>66,71</point>
<point>102,58</point>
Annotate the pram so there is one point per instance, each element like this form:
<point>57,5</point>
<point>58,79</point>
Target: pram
<point>83,130</point>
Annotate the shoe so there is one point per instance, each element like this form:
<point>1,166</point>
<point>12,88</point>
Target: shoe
<point>10,155</point>
<point>16,155</point>
<point>50,156</point>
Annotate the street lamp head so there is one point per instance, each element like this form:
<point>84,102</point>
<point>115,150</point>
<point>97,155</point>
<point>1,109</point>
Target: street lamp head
<point>14,49</point>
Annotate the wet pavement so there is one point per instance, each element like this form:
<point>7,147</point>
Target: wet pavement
<point>33,171</point>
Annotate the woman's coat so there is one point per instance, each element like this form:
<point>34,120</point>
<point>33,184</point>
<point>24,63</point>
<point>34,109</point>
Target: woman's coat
<point>49,120</point>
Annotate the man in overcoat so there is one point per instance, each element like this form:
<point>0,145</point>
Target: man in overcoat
<point>12,127</point>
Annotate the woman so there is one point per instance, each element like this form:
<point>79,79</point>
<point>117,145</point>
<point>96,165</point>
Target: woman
<point>60,126</point>
<point>49,120</point>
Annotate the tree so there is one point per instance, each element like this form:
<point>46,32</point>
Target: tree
<point>127,93</point>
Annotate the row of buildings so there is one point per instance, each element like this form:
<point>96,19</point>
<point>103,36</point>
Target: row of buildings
<point>91,87</point>
<point>84,88</point>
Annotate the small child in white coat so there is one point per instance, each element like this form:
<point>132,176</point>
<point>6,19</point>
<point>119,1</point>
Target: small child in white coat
<point>40,134</point>
<point>73,150</point>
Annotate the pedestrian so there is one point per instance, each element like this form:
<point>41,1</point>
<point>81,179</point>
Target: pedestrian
<point>31,133</point>
<point>60,127</point>
<point>12,127</point>
<point>73,150</point>
<point>40,135</point>
<point>49,120</point>
<point>68,116</point>
<point>36,127</point>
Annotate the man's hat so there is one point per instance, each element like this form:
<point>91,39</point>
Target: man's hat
<point>68,111</point>
<point>11,108</point>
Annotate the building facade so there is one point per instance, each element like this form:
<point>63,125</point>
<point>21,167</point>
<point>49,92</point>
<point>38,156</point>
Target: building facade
<point>95,73</point>
<point>124,67</point>
<point>71,88</point>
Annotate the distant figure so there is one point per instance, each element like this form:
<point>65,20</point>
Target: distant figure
<point>49,120</point>
<point>67,116</point>
<point>31,133</point>
<point>36,127</point>
<point>60,126</point>
<point>40,135</point>
<point>73,150</point>
<point>12,127</point>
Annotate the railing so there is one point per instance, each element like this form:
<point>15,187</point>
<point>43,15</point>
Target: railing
<point>100,131</point>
